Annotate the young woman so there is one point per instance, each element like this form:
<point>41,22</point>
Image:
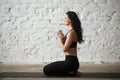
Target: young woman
<point>68,43</point>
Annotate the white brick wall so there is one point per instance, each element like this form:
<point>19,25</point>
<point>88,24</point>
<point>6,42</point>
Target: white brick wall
<point>28,30</point>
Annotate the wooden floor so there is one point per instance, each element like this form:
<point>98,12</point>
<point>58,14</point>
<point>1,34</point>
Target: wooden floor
<point>8,69</point>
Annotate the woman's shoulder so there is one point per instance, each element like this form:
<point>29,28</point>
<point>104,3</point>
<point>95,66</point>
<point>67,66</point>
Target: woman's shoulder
<point>71,33</point>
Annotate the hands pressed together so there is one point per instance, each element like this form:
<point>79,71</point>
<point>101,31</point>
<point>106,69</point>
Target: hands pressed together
<point>60,34</point>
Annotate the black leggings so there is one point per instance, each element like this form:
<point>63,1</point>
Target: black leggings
<point>62,68</point>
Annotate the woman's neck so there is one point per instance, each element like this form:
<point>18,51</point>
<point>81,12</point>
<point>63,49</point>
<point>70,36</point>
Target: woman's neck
<point>70,27</point>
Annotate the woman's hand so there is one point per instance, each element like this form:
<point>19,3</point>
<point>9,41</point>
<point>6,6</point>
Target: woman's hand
<point>60,34</point>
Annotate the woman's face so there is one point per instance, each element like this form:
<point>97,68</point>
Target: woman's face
<point>67,21</point>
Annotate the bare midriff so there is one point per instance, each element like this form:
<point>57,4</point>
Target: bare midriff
<point>71,51</point>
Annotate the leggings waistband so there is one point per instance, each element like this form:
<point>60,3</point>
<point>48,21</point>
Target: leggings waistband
<point>70,57</point>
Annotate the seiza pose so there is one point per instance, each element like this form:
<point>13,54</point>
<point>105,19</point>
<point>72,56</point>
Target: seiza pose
<point>68,43</point>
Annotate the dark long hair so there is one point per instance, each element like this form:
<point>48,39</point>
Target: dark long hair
<point>76,25</point>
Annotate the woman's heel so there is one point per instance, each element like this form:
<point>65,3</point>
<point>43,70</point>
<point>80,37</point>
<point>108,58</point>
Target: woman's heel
<point>78,73</point>
<point>75,73</point>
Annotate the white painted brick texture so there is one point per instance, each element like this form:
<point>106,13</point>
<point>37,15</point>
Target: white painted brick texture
<point>28,30</point>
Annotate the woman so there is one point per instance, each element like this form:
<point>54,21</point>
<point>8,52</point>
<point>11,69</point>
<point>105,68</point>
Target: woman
<point>68,43</point>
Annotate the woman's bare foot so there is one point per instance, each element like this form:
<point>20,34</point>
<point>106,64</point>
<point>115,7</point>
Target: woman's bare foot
<point>78,73</point>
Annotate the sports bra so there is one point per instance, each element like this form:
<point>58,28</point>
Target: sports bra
<point>73,44</point>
